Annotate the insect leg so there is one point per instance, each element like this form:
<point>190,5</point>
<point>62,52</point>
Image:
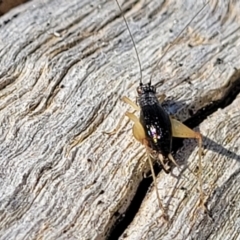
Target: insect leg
<point>129,102</point>
<point>181,131</point>
<point>117,128</point>
<point>170,157</point>
<point>138,130</point>
<point>164,215</point>
<point>139,134</point>
<point>165,168</point>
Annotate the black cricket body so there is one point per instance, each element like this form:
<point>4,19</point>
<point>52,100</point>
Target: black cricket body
<point>155,120</point>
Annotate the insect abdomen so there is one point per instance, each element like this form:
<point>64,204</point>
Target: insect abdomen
<point>157,126</point>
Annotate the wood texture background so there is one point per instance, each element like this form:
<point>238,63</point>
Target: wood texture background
<point>64,66</point>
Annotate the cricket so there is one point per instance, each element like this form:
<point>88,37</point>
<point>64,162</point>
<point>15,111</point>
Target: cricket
<point>155,128</point>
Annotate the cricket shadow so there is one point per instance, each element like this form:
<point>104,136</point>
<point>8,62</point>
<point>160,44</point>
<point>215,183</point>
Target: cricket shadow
<point>181,151</point>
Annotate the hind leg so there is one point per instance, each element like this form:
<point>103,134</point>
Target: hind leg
<point>181,131</point>
<point>131,103</point>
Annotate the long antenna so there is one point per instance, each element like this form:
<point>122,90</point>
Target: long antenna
<point>134,44</point>
<point>175,40</point>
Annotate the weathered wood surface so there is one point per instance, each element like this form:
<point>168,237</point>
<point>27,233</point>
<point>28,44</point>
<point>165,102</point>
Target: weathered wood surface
<point>64,67</point>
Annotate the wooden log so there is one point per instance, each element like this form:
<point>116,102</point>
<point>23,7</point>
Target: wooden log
<point>64,67</point>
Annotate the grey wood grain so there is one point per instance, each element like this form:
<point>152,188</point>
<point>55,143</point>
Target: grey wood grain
<point>64,67</point>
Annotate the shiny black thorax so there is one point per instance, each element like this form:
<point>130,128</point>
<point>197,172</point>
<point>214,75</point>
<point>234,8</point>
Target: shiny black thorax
<point>156,123</point>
